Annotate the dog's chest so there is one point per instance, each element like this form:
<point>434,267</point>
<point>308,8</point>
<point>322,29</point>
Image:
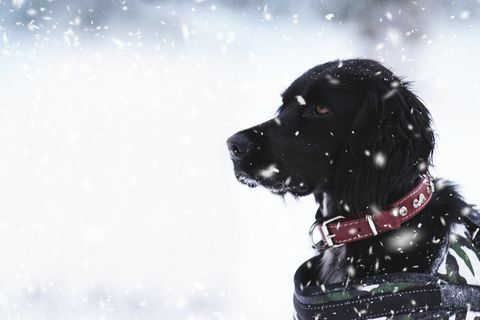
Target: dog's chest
<point>332,265</point>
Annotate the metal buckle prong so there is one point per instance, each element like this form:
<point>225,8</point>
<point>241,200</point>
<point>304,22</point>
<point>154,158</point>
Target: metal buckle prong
<point>431,184</point>
<point>371,224</point>
<point>324,230</point>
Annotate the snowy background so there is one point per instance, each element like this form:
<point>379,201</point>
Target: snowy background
<point>117,196</point>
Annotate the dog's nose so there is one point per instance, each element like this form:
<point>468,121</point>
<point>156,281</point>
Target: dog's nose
<point>239,145</point>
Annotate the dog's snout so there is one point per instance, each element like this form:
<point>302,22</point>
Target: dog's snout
<point>239,145</point>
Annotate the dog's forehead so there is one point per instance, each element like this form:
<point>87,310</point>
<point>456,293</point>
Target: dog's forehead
<point>335,72</point>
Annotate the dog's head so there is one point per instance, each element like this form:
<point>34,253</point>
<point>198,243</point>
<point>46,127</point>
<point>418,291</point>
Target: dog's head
<point>351,128</point>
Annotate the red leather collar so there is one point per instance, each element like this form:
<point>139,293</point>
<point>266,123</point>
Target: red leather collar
<point>338,231</point>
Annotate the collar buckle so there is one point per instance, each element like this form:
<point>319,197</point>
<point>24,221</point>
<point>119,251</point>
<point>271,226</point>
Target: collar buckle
<point>326,242</point>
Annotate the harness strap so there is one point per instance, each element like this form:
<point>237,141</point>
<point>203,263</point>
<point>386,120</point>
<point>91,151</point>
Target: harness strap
<point>407,301</point>
<point>460,296</point>
<point>431,297</point>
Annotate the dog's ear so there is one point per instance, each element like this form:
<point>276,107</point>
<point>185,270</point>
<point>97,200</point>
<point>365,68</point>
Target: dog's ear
<point>388,148</point>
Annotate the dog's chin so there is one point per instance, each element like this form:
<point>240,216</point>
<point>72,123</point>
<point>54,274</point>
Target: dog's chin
<point>276,187</point>
<point>246,180</point>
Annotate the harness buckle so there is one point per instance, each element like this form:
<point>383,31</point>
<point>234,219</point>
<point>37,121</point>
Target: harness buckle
<point>327,243</point>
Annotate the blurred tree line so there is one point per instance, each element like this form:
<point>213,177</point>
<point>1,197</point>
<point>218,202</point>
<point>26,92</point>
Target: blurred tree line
<point>43,18</point>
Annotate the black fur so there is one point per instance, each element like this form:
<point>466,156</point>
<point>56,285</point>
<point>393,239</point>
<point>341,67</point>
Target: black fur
<point>368,151</point>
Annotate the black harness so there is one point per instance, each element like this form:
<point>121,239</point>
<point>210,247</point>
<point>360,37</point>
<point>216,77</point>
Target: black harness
<point>421,296</point>
<point>393,296</point>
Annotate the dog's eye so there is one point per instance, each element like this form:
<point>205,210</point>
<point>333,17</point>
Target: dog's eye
<point>319,109</point>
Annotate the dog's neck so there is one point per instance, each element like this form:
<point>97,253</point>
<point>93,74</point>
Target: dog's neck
<point>331,267</point>
<point>333,260</point>
<point>327,205</point>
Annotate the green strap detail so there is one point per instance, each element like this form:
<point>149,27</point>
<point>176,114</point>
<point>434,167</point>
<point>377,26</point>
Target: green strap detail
<point>458,250</point>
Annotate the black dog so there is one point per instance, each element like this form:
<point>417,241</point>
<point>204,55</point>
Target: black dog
<point>352,134</point>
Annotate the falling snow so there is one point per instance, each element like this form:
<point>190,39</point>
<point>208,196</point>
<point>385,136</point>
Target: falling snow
<point>329,16</point>
<point>113,126</point>
<point>270,171</point>
<point>301,100</point>
<point>379,159</point>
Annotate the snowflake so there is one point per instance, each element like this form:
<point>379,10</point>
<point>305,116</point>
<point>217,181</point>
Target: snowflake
<point>300,100</point>
<point>269,171</point>
<point>379,159</point>
<point>329,16</point>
